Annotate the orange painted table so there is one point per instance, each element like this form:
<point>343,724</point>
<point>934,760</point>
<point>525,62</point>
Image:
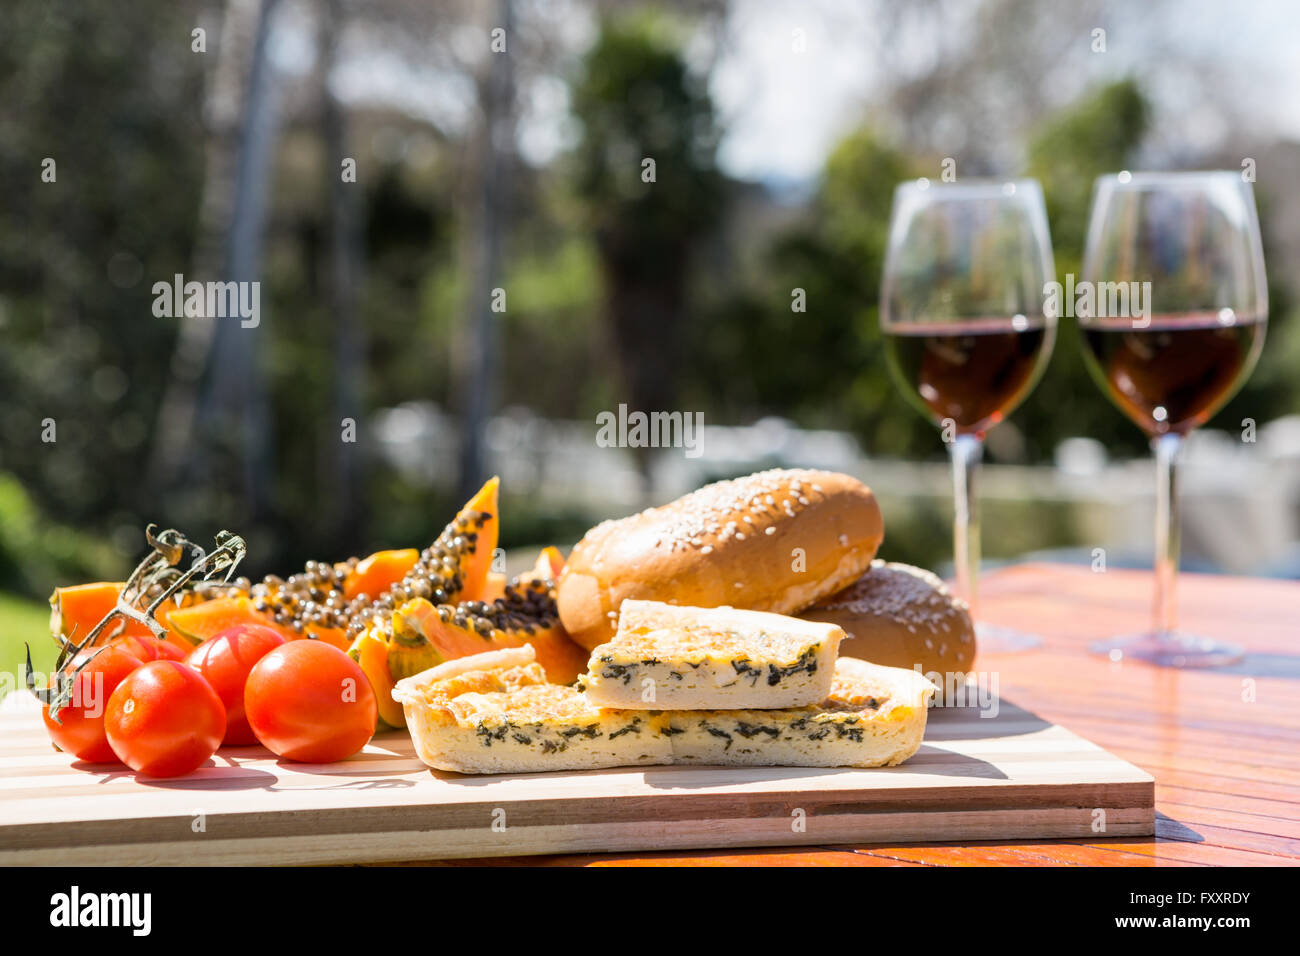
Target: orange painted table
<point>1223,745</point>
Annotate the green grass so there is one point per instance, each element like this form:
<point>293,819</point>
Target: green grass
<point>23,621</point>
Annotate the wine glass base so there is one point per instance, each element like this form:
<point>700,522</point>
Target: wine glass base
<point>994,639</point>
<point>1170,649</point>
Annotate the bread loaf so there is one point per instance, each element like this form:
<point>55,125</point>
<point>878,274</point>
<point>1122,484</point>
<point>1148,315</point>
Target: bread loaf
<point>776,541</point>
<point>901,616</point>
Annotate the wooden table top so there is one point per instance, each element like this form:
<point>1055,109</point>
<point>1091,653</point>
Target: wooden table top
<point>1223,745</point>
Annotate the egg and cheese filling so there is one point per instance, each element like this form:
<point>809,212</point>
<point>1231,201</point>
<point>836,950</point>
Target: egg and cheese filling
<point>667,657</point>
<point>512,725</point>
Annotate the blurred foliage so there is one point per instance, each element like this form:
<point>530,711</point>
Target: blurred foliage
<point>823,366</point>
<point>650,191</point>
<point>78,255</point>
<point>1101,134</point>
<point>23,624</point>
<point>1098,135</point>
<point>918,529</point>
<point>36,554</point>
<point>669,294</point>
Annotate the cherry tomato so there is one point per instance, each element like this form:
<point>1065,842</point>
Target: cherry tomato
<point>80,727</point>
<point>224,661</point>
<point>308,701</point>
<point>164,719</point>
<point>149,648</point>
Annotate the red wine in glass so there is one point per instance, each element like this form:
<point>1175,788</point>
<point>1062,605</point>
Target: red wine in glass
<point>1192,241</point>
<point>1175,373</point>
<point>972,373</point>
<point>966,333</point>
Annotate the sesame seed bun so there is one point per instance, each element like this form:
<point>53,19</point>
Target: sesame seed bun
<point>901,616</point>
<point>775,541</point>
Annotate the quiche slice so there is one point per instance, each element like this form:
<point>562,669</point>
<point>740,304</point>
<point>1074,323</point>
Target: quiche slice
<point>666,657</point>
<point>496,713</point>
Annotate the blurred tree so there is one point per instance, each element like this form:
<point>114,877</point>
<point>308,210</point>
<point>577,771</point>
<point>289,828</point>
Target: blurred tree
<point>79,250</point>
<point>801,338</point>
<point>345,462</point>
<point>492,147</point>
<point>646,176</point>
<point>230,38</point>
<point>1100,133</point>
<point>227,446</point>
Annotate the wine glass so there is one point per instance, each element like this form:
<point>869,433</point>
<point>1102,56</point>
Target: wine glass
<point>1185,247</point>
<point>966,333</point>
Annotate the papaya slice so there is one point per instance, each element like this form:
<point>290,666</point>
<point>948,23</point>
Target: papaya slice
<point>77,609</point>
<point>406,661</point>
<point>419,623</point>
<point>494,587</point>
<point>330,635</point>
<point>547,567</point>
<point>379,572</point>
<point>370,651</point>
<point>550,559</point>
<point>202,621</point>
<point>478,563</point>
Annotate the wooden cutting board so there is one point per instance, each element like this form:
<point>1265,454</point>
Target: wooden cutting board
<point>1004,777</point>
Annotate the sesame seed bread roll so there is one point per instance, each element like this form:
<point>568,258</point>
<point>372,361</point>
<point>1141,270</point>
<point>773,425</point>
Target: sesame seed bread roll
<point>775,541</point>
<point>900,616</point>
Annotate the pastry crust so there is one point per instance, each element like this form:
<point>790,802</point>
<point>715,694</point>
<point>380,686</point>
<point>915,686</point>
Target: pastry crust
<point>499,716</point>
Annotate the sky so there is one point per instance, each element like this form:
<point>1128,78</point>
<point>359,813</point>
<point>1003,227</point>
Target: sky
<point>785,110</point>
<point>791,78</point>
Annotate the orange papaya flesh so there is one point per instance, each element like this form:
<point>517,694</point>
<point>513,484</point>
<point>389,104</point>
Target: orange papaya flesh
<point>547,567</point>
<point>329,635</point>
<point>379,572</point>
<point>200,622</point>
<point>371,653</point>
<point>551,558</point>
<point>206,620</point>
<point>494,587</point>
<point>75,610</point>
<point>560,657</point>
<point>478,564</point>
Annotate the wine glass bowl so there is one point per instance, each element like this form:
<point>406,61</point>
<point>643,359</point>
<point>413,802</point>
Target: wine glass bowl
<point>1188,245</point>
<point>965,330</point>
<point>1181,255</point>
<point>962,299</point>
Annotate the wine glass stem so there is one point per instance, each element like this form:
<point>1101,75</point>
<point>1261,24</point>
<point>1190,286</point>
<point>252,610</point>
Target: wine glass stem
<point>966,452</point>
<point>1165,619</point>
